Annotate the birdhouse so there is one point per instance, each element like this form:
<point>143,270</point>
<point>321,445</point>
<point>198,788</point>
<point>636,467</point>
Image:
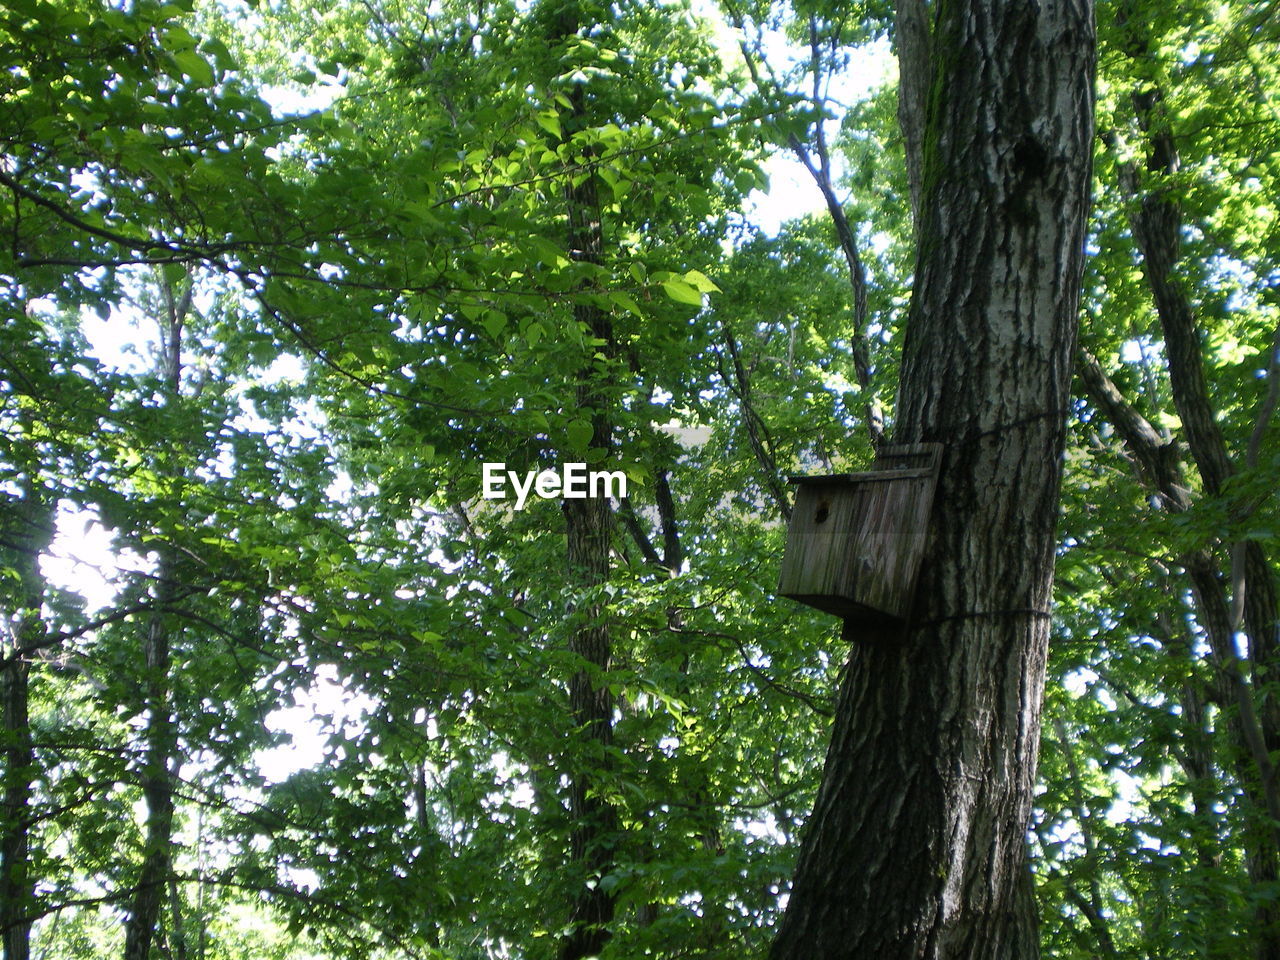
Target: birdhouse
<point>856,540</point>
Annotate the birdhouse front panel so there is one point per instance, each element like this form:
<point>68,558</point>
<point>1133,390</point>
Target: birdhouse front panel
<point>814,565</point>
<point>856,540</point>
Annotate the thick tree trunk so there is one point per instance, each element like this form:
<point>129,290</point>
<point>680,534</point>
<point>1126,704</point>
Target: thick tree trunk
<point>911,40</point>
<point>915,848</point>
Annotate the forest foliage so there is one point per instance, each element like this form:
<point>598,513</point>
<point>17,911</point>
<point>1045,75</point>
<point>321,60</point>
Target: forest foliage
<point>347,253</point>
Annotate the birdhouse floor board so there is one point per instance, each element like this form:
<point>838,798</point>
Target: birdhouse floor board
<point>847,609</point>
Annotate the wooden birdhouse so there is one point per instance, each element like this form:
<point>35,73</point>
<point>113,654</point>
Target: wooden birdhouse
<point>856,540</point>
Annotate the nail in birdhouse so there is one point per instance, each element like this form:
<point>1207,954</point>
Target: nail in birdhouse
<point>856,540</point>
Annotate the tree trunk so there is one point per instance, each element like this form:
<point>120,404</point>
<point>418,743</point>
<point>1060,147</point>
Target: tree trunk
<point>589,526</point>
<point>161,733</point>
<point>911,40</point>
<point>157,785</point>
<point>1156,223</point>
<point>1160,468</point>
<point>16,892</point>
<point>27,533</point>
<point>916,846</point>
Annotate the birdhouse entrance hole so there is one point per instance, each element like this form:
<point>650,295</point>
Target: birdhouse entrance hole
<point>856,540</point>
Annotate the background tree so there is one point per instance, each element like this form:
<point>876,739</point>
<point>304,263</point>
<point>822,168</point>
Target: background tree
<point>1180,401</point>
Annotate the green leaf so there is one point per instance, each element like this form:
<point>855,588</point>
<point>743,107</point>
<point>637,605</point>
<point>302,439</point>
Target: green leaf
<point>701,282</point>
<point>221,55</point>
<point>580,433</point>
<point>495,323</point>
<point>194,66</point>
<point>550,122</point>
<point>626,302</point>
<point>682,292</point>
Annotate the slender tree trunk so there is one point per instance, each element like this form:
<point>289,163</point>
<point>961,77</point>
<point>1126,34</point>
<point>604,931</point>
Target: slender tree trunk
<point>595,823</point>
<point>1156,223</point>
<point>916,845</point>
<point>16,893</point>
<point>161,733</point>
<point>1160,468</point>
<point>157,788</point>
<point>589,525</point>
<point>815,157</point>
<point>27,534</point>
<point>179,928</point>
<point>1092,905</point>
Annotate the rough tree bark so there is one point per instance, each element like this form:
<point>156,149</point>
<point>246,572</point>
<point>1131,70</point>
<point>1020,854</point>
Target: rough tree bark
<point>912,45</point>
<point>915,848</point>
<point>157,782</point>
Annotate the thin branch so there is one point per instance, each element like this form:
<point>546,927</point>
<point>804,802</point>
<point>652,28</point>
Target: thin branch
<point>845,236</point>
<point>672,551</point>
<point>757,431</point>
<point>132,243</point>
<point>629,520</point>
<point>810,701</point>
